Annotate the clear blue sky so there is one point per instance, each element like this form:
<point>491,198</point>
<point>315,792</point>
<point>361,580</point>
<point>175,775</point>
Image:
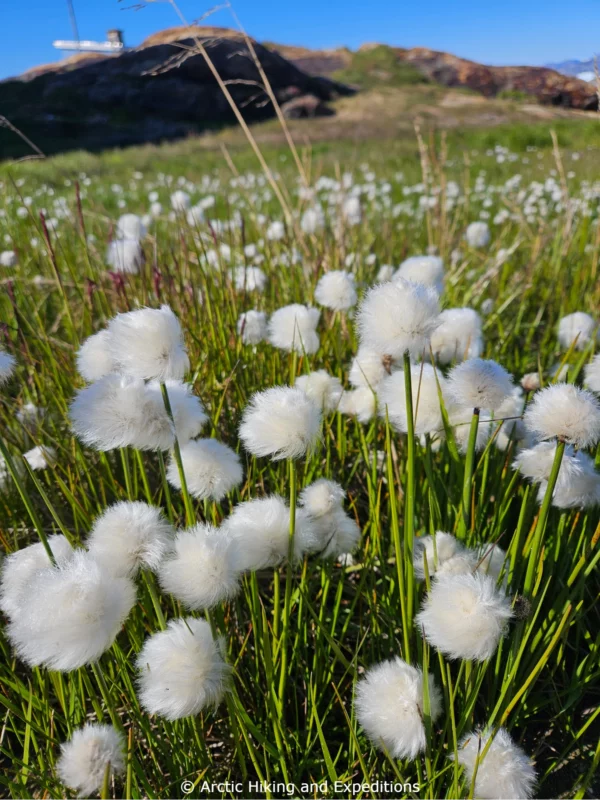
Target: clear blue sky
<point>508,32</point>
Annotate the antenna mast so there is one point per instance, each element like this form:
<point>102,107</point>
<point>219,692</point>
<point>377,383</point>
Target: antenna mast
<point>73,20</point>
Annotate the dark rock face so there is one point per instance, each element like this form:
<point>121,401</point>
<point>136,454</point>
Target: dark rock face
<point>153,93</point>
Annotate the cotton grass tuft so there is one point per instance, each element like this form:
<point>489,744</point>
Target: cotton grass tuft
<point>577,329</point>
<point>252,327</point>
<point>294,328</point>
<point>428,270</point>
<point>260,531</point>
<point>281,422</point>
<point>200,571</point>
<point>7,366</point>
<point>130,536</point>
<point>323,388</point>
<point>464,616</point>
<point>70,613</point>
<point>121,412</point>
<point>396,317</point>
<point>211,469</point>
<point>390,707</point>
<point>336,290</point>
<point>87,754</point>
<point>565,412</point>
<point>477,383</point>
<point>181,670</point>
<point>19,567</point>
<point>148,343</point>
<point>505,771</point>
<point>94,358</point>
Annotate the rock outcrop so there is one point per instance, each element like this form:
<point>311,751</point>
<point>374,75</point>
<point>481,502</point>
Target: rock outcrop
<point>163,89</point>
<point>546,85</point>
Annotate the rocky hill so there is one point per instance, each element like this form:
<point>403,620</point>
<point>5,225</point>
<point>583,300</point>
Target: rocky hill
<point>164,89</point>
<point>380,63</point>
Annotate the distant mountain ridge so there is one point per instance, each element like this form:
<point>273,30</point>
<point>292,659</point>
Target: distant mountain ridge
<point>573,67</point>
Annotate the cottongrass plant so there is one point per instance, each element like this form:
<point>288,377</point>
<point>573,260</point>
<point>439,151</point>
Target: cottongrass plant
<point>390,706</point>
<point>495,766</point>
<point>91,754</point>
<point>7,367</point>
<point>181,670</point>
<point>333,616</point>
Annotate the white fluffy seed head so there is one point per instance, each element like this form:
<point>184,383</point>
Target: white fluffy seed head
<point>458,335</point>
<point>385,273</point>
<point>510,410</point>
<point>399,316</point>
<point>130,226</point>
<point>276,231</point>
<point>336,290</point>
<point>478,234</point>
<point>578,484</point>
<point>504,771</point>
<point>252,327</point>
<point>322,497</point>
<point>125,255</point>
<point>294,327</point>
<point>351,210</point>
<point>444,555</point>
<point>423,269</point>
<point>94,359</point>
<point>211,469</point>
<point>427,413</point>
<point>70,613</point>
<point>148,343</point>
<point>281,422</point>
<point>336,531</point>
<point>566,412</point>
<point>195,216</point>
<point>188,412</point>
<point>592,374</point>
<point>85,757</point>
<point>248,279</point>
<point>180,201</point>
<point>121,412</point>
<point>40,457</point>
<point>390,707</point>
<point>7,366</point>
<point>359,403</point>
<point>260,532</point>
<point>19,567</point>
<point>200,571</point>
<point>312,220</point>
<point>491,560</point>
<point>181,670</point>
<point>130,536</point>
<point>477,383</point>
<point>531,381</point>
<point>325,389</point>
<point>464,616</point>
<point>337,534</point>
<point>536,462</point>
<point>368,369</point>
<point>576,329</point>
<point>8,258</point>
